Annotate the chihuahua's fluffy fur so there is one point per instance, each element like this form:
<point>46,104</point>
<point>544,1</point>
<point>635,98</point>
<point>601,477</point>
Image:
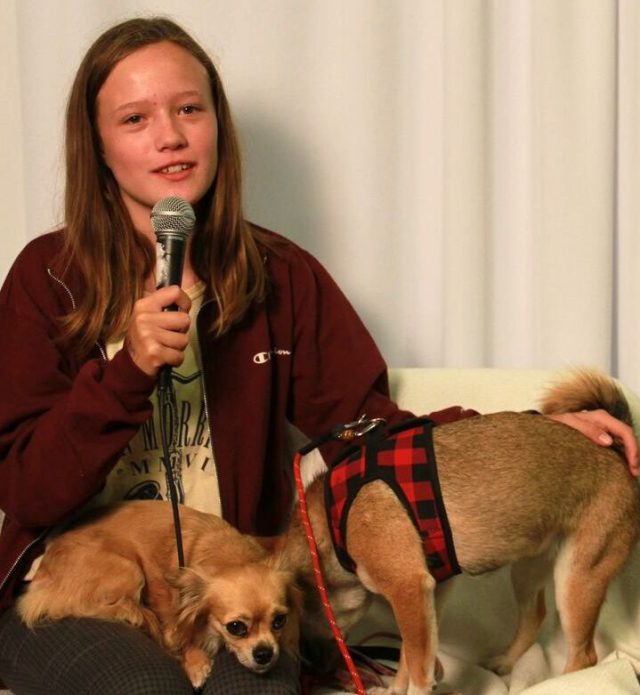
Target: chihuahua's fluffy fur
<point>120,563</point>
<point>519,489</point>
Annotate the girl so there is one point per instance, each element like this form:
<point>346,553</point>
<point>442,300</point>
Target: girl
<point>263,336</point>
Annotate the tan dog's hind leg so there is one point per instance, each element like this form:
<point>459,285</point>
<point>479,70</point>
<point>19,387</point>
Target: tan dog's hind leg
<point>110,589</point>
<point>528,578</point>
<point>587,564</point>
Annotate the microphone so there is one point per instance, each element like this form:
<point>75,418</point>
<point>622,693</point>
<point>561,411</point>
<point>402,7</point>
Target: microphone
<point>172,219</point>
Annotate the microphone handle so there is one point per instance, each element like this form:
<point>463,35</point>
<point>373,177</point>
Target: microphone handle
<point>164,378</point>
<point>171,259</point>
<point>169,272</point>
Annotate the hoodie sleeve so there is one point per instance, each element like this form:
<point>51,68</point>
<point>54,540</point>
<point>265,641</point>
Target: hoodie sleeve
<point>62,427</point>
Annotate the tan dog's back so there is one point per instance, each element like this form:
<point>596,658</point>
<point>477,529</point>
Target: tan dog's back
<point>506,499</point>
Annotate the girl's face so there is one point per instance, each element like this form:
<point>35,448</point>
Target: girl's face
<point>157,125</point>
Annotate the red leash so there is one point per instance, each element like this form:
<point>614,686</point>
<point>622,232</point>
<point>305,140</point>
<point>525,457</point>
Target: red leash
<point>317,571</point>
<point>346,432</point>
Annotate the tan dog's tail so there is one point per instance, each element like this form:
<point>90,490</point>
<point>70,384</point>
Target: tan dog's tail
<point>586,389</point>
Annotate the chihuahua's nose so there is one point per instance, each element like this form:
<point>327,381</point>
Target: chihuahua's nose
<point>263,654</point>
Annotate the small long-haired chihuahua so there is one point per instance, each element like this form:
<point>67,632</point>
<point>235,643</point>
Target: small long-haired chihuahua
<point>518,489</point>
<point>120,563</point>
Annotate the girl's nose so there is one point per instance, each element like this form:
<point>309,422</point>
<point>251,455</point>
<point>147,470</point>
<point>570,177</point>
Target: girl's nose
<point>170,134</point>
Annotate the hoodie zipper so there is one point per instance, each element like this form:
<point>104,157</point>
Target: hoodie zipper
<point>73,305</point>
<point>206,402</point>
<point>18,560</point>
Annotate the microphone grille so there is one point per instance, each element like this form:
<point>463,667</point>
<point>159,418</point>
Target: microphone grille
<point>172,215</point>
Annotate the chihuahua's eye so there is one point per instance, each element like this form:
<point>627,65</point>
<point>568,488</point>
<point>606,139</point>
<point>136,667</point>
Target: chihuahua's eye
<point>237,628</point>
<point>279,622</point>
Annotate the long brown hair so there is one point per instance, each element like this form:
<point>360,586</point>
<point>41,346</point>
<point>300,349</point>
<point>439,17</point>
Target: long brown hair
<point>100,239</point>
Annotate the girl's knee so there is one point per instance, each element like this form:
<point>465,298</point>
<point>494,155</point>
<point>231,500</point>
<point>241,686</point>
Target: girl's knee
<point>161,678</point>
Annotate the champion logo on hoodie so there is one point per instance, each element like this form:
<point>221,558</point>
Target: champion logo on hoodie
<point>264,357</point>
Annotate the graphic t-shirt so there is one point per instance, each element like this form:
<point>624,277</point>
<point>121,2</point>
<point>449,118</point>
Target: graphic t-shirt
<point>140,473</point>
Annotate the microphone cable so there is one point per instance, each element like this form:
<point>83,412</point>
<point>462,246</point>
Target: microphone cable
<point>172,219</point>
<point>171,457</point>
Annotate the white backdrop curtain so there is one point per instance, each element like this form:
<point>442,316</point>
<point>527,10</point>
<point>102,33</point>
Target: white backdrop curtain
<point>468,170</point>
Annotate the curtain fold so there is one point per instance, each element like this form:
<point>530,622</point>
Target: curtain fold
<point>468,170</point>
<point>12,181</point>
<point>626,315</point>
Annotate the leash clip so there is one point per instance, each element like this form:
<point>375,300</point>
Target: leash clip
<point>359,427</point>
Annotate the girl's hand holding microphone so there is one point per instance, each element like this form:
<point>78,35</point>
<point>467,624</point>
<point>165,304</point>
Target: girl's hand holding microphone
<point>157,337</point>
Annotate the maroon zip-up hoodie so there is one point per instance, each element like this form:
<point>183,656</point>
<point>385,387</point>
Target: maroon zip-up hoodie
<point>303,356</point>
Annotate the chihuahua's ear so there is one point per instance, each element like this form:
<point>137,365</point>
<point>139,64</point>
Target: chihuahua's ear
<point>295,598</point>
<point>186,579</point>
<point>190,616</point>
<point>272,544</point>
<point>278,561</point>
<point>291,635</point>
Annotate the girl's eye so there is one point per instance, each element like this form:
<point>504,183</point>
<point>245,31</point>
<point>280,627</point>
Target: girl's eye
<point>190,109</point>
<point>134,119</point>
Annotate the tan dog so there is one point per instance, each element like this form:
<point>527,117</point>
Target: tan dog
<point>120,564</point>
<point>518,489</point>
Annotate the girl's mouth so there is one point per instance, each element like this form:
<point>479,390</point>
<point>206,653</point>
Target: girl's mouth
<point>175,168</point>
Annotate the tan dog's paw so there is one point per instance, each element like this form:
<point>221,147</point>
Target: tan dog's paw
<point>399,685</point>
<point>438,673</point>
<point>197,664</point>
<point>502,665</point>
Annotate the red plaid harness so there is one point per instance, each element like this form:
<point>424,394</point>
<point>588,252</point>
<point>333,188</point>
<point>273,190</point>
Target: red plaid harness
<point>403,457</point>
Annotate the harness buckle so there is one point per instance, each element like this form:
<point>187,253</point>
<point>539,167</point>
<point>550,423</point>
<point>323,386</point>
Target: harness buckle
<point>359,427</point>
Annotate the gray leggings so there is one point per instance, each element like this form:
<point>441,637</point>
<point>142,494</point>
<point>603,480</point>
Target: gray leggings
<point>93,657</point>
